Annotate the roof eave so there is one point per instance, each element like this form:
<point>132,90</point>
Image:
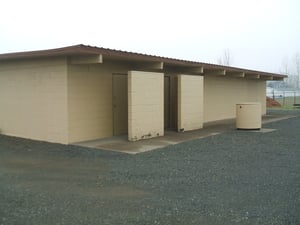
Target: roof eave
<point>80,50</point>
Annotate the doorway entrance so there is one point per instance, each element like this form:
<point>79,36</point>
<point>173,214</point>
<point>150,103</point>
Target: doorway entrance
<point>170,102</point>
<point>166,102</point>
<point>120,104</point>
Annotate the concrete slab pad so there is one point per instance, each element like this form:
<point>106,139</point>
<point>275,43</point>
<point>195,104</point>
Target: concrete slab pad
<point>121,143</point>
<point>262,130</point>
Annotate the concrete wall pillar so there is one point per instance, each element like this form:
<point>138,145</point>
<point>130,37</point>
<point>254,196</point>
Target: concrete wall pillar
<point>145,105</point>
<point>190,102</point>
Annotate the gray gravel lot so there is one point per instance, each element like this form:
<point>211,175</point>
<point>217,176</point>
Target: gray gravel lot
<point>238,177</point>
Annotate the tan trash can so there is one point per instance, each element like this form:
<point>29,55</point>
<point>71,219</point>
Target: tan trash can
<point>248,115</point>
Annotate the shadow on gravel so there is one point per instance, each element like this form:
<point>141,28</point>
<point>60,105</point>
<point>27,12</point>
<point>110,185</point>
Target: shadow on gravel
<point>232,178</point>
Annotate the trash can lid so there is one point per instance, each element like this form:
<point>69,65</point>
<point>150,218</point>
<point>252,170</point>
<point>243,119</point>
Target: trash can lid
<point>249,103</point>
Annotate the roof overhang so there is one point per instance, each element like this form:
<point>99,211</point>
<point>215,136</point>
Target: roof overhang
<point>82,54</point>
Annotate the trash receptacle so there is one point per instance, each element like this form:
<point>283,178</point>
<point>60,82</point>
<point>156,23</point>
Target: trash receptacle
<point>248,115</point>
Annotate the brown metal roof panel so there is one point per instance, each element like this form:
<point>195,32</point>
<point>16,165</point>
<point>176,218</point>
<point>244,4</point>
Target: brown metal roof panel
<point>117,54</point>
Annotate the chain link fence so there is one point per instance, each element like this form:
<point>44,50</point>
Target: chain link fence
<point>288,98</point>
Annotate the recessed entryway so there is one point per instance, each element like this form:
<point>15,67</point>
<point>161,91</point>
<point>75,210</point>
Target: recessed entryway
<point>120,104</point>
<point>170,102</point>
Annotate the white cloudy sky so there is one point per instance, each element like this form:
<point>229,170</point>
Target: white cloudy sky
<point>259,33</point>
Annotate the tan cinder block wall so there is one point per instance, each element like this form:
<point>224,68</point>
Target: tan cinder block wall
<point>89,102</point>
<point>33,99</point>
<point>90,114</point>
<point>190,102</point>
<point>145,105</point>
<point>221,94</point>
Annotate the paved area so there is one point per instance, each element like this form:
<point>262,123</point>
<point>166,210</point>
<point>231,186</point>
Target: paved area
<point>121,144</point>
<point>233,178</point>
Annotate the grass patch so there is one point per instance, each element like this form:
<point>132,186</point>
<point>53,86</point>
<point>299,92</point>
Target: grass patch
<point>288,102</point>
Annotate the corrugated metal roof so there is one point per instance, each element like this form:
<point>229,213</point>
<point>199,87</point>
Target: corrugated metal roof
<point>124,55</point>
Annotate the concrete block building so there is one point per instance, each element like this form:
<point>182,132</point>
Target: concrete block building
<point>82,93</point>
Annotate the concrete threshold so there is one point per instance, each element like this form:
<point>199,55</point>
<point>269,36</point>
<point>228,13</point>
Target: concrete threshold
<point>121,143</point>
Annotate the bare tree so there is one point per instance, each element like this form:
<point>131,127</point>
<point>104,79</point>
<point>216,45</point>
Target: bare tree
<point>226,59</point>
<point>285,66</point>
<point>292,69</point>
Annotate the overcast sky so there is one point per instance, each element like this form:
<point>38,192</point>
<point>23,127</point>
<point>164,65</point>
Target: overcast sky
<point>260,34</point>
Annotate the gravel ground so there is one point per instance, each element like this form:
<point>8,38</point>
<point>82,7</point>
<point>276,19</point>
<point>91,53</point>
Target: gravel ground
<point>238,177</point>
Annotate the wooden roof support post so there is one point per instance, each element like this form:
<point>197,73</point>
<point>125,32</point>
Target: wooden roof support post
<point>235,74</point>
<point>252,76</point>
<point>86,59</point>
<point>266,77</point>
<point>278,78</point>
<point>145,66</point>
<point>195,70</point>
<point>158,65</point>
<point>214,72</point>
<point>191,70</point>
